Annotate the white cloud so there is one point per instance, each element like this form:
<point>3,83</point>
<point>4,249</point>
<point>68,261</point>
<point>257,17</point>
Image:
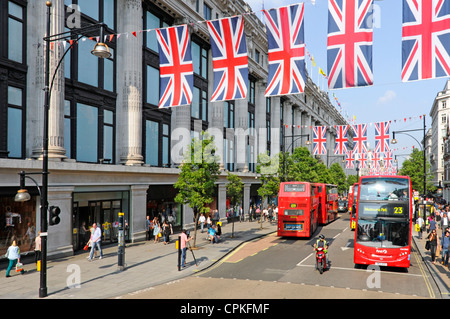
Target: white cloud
<point>388,96</point>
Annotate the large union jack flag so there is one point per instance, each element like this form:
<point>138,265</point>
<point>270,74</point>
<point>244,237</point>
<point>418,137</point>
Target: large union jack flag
<point>350,41</point>
<point>319,140</point>
<point>363,160</point>
<point>360,138</point>
<point>382,137</point>
<point>285,35</point>
<point>425,45</point>
<point>340,147</point>
<point>375,161</point>
<point>176,68</point>
<point>230,61</point>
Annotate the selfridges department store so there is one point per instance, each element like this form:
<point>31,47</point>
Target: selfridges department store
<point>110,148</point>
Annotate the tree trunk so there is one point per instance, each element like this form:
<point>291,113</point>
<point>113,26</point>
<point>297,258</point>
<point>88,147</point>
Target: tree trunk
<point>195,226</point>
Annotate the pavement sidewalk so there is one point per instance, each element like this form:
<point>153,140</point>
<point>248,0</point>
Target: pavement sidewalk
<point>147,265</point>
<point>439,273</point>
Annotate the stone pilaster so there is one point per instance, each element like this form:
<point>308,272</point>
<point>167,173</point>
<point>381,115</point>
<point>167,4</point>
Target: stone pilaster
<point>129,78</point>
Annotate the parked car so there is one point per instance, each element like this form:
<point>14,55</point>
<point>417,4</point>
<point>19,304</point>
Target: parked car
<point>342,206</point>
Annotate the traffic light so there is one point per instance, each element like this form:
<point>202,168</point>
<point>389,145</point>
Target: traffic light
<point>54,215</point>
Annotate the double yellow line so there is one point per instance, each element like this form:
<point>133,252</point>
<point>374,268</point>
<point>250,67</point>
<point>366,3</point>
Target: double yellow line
<point>424,273</point>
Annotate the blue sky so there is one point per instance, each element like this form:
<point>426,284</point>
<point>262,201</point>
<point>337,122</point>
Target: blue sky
<point>389,98</point>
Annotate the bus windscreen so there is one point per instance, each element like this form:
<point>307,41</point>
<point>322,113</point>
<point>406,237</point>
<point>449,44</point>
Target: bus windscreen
<point>384,189</point>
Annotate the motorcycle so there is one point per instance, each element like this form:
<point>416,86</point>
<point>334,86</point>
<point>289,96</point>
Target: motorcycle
<point>321,260</point>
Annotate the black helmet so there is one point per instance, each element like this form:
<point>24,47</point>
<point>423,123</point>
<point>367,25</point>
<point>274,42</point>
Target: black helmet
<point>321,237</point>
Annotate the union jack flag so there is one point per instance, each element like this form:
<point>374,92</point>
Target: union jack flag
<point>350,41</point>
<point>340,147</point>
<point>176,70</point>
<point>319,140</point>
<point>375,159</point>
<point>362,160</point>
<point>388,157</point>
<point>350,160</point>
<point>425,44</point>
<point>285,35</point>
<point>360,138</point>
<point>230,61</point>
<point>382,137</point>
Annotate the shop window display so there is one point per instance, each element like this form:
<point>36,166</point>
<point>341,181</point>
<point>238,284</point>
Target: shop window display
<point>17,222</point>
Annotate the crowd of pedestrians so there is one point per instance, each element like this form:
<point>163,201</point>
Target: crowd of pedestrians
<point>436,225</point>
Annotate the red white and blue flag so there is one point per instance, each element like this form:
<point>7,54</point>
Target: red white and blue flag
<point>176,69</point>
<point>360,138</point>
<point>382,137</point>
<point>375,160</point>
<point>362,160</point>
<point>350,160</point>
<point>230,60</point>
<point>319,140</point>
<point>350,42</point>
<point>286,39</point>
<point>340,147</point>
<point>425,39</point>
<point>388,157</point>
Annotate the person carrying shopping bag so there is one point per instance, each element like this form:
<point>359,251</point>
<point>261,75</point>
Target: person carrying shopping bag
<point>13,254</point>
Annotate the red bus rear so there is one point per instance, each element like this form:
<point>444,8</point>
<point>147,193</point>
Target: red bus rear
<point>383,221</point>
<point>297,210</point>
<point>327,196</point>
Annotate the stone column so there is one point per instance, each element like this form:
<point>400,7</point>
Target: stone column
<point>242,134</point>
<point>222,200</point>
<point>36,80</point>
<point>246,198</point>
<point>276,129</point>
<point>129,79</point>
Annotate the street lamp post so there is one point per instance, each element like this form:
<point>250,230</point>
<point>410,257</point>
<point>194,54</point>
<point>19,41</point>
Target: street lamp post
<point>101,50</point>
<point>394,141</point>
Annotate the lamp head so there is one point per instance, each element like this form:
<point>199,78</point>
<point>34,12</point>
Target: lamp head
<point>393,141</point>
<point>101,50</point>
<point>22,196</point>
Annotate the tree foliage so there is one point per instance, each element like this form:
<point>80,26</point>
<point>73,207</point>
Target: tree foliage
<point>199,173</point>
<point>298,166</point>
<point>235,189</point>
<point>413,167</point>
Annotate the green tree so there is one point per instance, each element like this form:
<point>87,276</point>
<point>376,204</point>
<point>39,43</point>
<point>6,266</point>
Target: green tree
<point>269,170</point>
<point>338,177</point>
<point>413,167</point>
<point>235,189</point>
<point>199,172</point>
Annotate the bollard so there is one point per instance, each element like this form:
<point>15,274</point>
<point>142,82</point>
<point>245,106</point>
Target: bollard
<point>178,247</point>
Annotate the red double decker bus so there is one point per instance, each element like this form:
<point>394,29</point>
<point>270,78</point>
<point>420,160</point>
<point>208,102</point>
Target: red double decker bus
<point>327,195</point>
<point>297,209</point>
<point>353,205</point>
<point>383,221</point>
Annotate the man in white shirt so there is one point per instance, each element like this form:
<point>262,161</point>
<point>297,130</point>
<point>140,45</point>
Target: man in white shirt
<point>95,241</point>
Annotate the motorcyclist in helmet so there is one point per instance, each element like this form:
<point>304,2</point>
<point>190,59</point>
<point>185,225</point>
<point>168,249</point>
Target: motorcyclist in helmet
<point>321,242</point>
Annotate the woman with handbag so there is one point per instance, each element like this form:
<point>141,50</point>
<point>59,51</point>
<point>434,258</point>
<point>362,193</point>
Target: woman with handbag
<point>433,239</point>
<point>156,230</point>
<point>13,254</point>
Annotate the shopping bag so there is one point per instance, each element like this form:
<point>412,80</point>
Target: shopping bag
<point>417,228</point>
<point>427,245</point>
<point>86,247</point>
<point>19,267</point>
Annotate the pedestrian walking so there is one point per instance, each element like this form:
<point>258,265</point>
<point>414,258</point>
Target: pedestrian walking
<point>420,223</point>
<point>433,239</point>
<point>95,241</point>
<point>166,232</point>
<point>13,254</point>
<point>184,239</point>
<point>445,242</point>
<point>444,221</point>
<point>156,229</point>
<point>148,228</point>
<point>201,221</point>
